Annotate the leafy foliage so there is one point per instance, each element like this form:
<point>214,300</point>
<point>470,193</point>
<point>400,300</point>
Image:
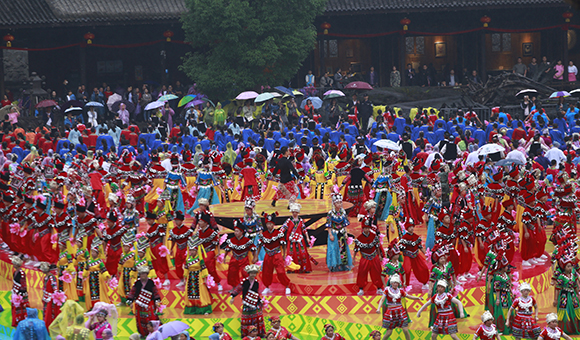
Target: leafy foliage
<point>242,44</point>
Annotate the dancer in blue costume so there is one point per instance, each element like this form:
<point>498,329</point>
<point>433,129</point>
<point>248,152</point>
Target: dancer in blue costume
<point>338,257</point>
<point>253,224</point>
<point>432,209</point>
<point>205,183</point>
<point>31,327</point>
<point>173,181</point>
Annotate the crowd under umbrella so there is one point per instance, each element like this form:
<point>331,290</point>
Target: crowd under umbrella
<point>330,94</point>
<point>358,85</point>
<point>73,110</point>
<point>559,94</point>
<point>387,144</point>
<point>247,95</point>
<point>167,97</point>
<point>72,103</point>
<point>527,92</point>
<point>490,148</point>
<point>128,105</point>
<point>186,99</point>
<point>154,105</point>
<point>316,102</point>
<point>285,91</point>
<point>263,97</point>
<point>115,97</point>
<point>94,104</point>
<point>46,103</point>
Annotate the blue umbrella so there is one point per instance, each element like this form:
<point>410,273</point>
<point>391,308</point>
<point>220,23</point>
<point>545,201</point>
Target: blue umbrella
<point>285,90</point>
<point>316,102</point>
<point>95,104</point>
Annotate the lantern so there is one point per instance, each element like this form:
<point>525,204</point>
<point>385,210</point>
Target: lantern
<point>168,34</point>
<point>325,26</point>
<point>405,22</point>
<point>567,16</point>
<point>485,20</point>
<point>89,37</point>
<point>9,38</point>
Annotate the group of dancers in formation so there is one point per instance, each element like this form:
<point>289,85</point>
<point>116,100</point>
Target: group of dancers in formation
<point>83,217</point>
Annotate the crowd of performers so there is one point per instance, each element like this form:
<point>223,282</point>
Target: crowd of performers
<point>84,216</point>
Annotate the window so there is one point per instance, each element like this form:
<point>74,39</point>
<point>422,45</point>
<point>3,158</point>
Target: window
<point>415,45</point>
<point>501,42</point>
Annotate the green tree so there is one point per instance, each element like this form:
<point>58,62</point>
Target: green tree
<point>242,44</point>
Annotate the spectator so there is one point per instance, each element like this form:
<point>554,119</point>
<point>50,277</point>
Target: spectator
<point>520,68</point>
<point>474,78</point>
<point>373,77</point>
<point>559,68</point>
<point>410,75</point>
<point>572,71</point>
<point>309,78</point>
<point>452,80</point>
<point>326,81</point>
<point>338,79</point>
<point>533,68</point>
<point>395,78</point>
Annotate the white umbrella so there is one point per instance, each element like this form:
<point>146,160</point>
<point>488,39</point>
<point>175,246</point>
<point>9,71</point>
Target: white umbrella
<point>387,144</point>
<point>263,97</point>
<point>275,94</point>
<point>72,109</point>
<point>154,105</point>
<point>113,99</point>
<point>247,95</point>
<point>490,148</point>
<point>527,92</point>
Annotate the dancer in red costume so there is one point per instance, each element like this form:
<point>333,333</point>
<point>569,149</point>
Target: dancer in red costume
<point>156,235</point>
<point>445,323</point>
<point>42,244</point>
<point>414,255</point>
<point>112,235</point>
<point>541,214</point>
<point>329,333</point>
<point>50,307</point>
<point>487,330</point>
<point>178,237</point>
<point>505,225</point>
<point>280,332</point>
<point>368,244</point>
<point>248,174</point>
<point>526,316</point>
<point>465,242</point>
<point>297,239</point>
<point>209,239</point>
<point>240,247</point>
<point>274,242</point>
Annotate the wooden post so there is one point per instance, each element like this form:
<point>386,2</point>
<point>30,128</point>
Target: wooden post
<point>402,66</point>
<point>483,66</point>
<point>83,64</point>
<point>565,52</point>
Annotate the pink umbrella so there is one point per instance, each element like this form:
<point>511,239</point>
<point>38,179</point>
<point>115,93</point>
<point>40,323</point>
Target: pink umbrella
<point>359,85</point>
<point>247,95</point>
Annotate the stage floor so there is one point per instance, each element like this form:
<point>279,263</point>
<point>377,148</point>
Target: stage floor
<point>318,297</point>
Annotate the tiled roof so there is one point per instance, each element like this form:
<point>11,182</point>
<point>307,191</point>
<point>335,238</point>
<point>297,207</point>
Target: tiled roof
<point>75,12</point>
<point>337,6</point>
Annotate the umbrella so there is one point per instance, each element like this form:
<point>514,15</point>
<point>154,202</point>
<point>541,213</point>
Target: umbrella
<point>263,97</point>
<point>72,103</point>
<point>95,104</point>
<point>194,103</point>
<point>560,94</point>
<point>526,92</point>
<point>275,94</point>
<point>186,99</point>
<point>116,105</point>
<point>316,102</point>
<point>173,328</point>
<point>387,144</point>
<point>508,161</point>
<point>167,97</point>
<point>46,103</point>
<point>247,95</point>
<point>113,99</point>
<point>358,85</point>
<point>70,109</point>
<point>297,93</point>
<point>333,94</point>
<point>285,90</point>
<point>575,92</point>
<point>154,105</point>
<point>207,100</point>
<point>490,148</point>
